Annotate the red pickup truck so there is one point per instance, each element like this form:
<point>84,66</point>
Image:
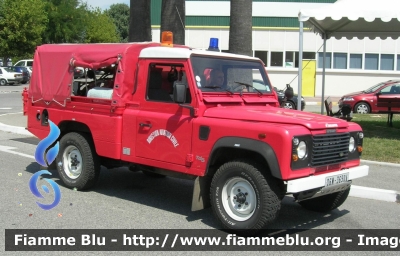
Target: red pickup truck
<point>154,108</point>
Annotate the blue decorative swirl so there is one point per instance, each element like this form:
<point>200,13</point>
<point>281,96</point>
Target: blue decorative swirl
<point>45,143</point>
<point>35,191</point>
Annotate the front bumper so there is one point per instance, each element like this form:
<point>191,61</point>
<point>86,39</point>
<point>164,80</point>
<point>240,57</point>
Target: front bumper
<point>318,181</point>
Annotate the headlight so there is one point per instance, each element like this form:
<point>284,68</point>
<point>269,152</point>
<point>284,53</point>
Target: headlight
<point>360,135</point>
<point>352,144</point>
<point>302,150</point>
<point>348,99</point>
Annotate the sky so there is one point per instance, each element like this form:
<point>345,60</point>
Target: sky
<point>105,4</point>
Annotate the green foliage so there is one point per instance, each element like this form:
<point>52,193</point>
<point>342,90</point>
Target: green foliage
<point>22,24</point>
<point>381,142</point>
<point>100,28</point>
<point>67,19</point>
<point>119,14</point>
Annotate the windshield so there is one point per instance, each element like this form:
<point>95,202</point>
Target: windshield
<point>226,74</point>
<point>374,88</point>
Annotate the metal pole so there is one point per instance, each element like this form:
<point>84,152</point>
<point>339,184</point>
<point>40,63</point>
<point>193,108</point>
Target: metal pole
<point>300,66</point>
<point>323,77</point>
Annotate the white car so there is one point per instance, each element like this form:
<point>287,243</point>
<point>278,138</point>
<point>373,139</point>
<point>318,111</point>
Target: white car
<point>7,76</point>
<point>24,63</point>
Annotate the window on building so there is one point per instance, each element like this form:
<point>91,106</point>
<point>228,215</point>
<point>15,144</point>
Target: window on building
<point>356,61</point>
<point>289,59</point>
<point>328,58</point>
<point>387,62</point>
<point>277,59</point>
<point>262,55</point>
<point>306,56</point>
<point>398,62</point>
<point>340,60</point>
<point>371,61</point>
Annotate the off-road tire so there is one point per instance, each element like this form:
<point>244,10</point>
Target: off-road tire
<point>3,82</point>
<point>326,203</point>
<point>73,144</point>
<point>243,174</point>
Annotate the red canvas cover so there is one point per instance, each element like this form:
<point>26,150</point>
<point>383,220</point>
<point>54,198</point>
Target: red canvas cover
<point>53,68</point>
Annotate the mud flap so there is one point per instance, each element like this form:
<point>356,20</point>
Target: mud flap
<point>201,193</point>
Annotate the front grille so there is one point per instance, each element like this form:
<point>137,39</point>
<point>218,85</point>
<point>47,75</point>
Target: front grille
<point>330,149</point>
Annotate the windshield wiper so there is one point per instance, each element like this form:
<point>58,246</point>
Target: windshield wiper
<point>248,85</point>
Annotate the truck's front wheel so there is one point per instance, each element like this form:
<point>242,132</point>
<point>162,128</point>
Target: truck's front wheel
<point>242,198</point>
<point>77,162</point>
<point>326,203</point>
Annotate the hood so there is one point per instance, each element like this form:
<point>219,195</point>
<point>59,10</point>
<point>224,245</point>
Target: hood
<point>353,94</point>
<point>276,115</point>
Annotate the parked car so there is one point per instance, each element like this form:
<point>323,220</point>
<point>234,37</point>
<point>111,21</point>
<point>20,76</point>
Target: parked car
<point>364,102</point>
<point>24,63</point>
<point>26,76</point>
<point>283,102</point>
<point>289,103</point>
<point>8,76</point>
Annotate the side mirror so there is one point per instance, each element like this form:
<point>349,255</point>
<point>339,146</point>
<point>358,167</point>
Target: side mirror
<point>179,93</point>
<point>180,97</point>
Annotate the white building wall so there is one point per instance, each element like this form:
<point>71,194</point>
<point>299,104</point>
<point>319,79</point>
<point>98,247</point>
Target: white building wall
<point>338,81</point>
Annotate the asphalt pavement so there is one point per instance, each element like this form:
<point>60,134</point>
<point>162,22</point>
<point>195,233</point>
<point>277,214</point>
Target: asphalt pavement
<point>378,185</point>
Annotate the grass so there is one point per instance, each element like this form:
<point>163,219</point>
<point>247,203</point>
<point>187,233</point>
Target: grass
<point>381,142</point>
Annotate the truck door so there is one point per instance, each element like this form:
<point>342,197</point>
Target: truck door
<point>164,131</point>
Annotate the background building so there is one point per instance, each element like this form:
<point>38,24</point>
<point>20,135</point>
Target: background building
<point>352,65</point>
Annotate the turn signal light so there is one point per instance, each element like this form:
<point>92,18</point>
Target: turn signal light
<point>262,135</point>
<point>295,157</point>
<point>167,38</point>
<point>359,149</point>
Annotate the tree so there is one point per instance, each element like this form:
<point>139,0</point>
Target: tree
<point>100,28</point>
<point>139,22</point>
<point>119,13</point>
<point>22,24</point>
<point>240,29</point>
<point>173,19</point>
<point>66,20</point>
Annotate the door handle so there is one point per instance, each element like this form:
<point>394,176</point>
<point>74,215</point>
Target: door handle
<point>145,125</point>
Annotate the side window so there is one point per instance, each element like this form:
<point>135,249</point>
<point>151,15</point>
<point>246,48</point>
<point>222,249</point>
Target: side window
<point>94,83</point>
<point>161,79</point>
<point>393,89</point>
<point>29,63</point>
<point>19,63</point>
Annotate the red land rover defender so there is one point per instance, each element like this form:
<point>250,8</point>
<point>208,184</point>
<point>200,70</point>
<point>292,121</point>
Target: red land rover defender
<point>154,109</point>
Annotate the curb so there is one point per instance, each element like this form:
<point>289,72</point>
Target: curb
<point>380,163</point>
<point>315,103</point>
<point>14,129</point>
<point>375,194</point>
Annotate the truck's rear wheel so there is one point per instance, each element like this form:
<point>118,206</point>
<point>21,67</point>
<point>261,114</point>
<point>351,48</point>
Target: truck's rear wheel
<point>77,162</point>
<point>242,198</point>
<point>326,203</point>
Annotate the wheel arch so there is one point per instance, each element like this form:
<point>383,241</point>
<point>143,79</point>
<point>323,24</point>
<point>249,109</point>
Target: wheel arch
<point>228,148</point>
<point>73,126</point>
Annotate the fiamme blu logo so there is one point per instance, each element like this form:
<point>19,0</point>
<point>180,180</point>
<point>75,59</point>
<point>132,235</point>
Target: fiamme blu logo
<point>45,155</point>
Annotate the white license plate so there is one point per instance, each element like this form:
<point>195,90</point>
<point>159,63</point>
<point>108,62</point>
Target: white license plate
<point>337,179</point>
